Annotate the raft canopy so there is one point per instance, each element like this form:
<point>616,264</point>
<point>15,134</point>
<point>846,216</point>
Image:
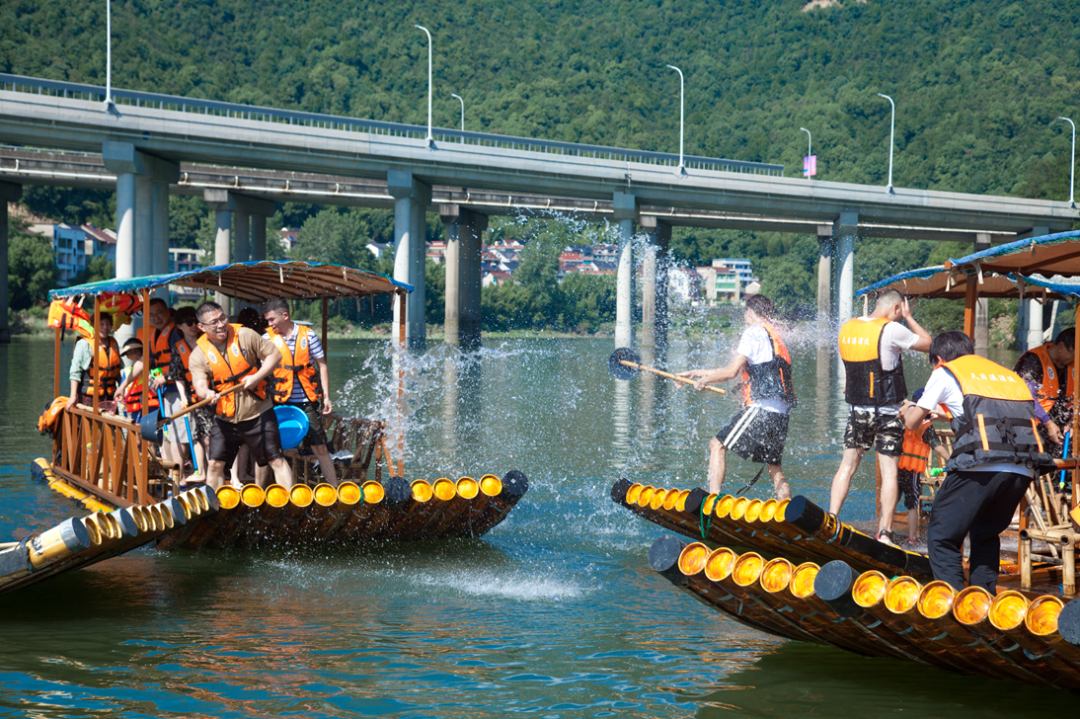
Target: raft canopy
<point>254,282</point>
<point>935,282</point>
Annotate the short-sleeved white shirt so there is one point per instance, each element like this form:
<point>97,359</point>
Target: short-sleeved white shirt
<point>895,338</point>
<point>755,345</point>
<point>942,388</point>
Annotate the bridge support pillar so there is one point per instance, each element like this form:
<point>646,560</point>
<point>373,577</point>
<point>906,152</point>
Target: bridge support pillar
<point>463,275</point>
<point>1031,332</point>
<point>232,212</point>
<point>8,193</point>
<point>625,206</point>
<point>142,210</point>
<point>258,237</point>
<point>654,282</point>
<point>411,200</point>
<point>982,308</point>
<point>826,249</point>
<point>845,229</point>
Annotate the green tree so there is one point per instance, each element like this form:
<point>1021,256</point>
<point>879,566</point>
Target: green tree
<point>98,268</point>
<point>32,269</point>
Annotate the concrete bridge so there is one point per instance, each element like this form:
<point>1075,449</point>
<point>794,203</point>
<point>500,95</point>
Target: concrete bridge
<point>146,139</point>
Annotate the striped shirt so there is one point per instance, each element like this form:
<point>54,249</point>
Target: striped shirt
<point>315,350</point>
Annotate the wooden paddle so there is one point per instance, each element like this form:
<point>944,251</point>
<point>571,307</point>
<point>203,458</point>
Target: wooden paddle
<point>152,422</point>
<point>624,357</point>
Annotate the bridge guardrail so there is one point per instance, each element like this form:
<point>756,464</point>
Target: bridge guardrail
<point>58,88</point>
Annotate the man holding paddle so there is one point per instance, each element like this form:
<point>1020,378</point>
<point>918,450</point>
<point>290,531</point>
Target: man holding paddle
<point>230,364</point>
<point>759,430</point>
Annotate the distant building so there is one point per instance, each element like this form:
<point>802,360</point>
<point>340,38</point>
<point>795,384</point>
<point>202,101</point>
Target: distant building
<point>75,245</point>
<point>436,251</point>
<point>183,259</point>
<point>289,236</point>
<point>589,260</point>
<point>742,268</point>
<point>725,281</point>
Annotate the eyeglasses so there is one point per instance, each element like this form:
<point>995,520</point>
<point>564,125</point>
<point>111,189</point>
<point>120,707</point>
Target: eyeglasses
<point>216,322</point>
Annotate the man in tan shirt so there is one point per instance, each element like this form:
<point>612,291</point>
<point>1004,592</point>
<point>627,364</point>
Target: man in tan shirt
<point>227,355</point>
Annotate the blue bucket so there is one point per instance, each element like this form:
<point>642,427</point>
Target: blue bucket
<point>292,425</point>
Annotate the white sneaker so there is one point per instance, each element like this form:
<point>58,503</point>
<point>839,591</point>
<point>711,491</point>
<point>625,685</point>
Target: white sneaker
<point>885,537</point>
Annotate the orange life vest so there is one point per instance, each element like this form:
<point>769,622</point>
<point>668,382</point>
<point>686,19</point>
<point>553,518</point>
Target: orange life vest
<point>867,381</point>
<point>769,379</point>
<point>108,360</point>
<point>1050,389</point>
<point>66,315</point>
<point>295,366</point>
<point>133,397</point>
<point>47,422</point>
<point>229,369</point>
<point>916,452</point>
<point>160,351</point>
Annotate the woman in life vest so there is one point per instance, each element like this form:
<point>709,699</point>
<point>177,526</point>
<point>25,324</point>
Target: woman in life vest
<point>996,455</point>
<point>84,371</point>
<point>200,420</point>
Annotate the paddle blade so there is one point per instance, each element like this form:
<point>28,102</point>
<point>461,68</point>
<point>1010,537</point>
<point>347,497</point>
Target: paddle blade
<point>616,366</point>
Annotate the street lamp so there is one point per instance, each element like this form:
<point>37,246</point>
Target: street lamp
<point>430,139</point>
<point>809,146</point>
<point>682,104</point>
<point>108,54</point>
<point>892,132</point>
<point>462,113</point>
<point>1072,171</point>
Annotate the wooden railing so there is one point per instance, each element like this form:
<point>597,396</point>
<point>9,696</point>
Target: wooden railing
<point>105,455</point>
<point>364,438</point>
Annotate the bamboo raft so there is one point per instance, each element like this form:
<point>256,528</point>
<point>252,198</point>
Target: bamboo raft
<point>796,528</point>
<point>1020,636</point>
<point>396,510</point>
<point>82,541</point>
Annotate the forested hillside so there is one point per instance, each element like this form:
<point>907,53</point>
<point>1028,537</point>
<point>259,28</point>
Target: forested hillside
<point>977,84</point>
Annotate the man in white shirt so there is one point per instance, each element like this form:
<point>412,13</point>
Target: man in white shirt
<point>996,455</point>
<point>759,430</point>
<point>870,347</point>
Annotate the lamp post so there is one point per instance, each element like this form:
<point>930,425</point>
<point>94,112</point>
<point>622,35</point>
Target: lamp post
<point>809,146</point>
<point>1072,156</point>
<point>892,132</point>
<point>682,106</point>
<point>108,54</point>
<point>462,112</point>
<point>430,139</point>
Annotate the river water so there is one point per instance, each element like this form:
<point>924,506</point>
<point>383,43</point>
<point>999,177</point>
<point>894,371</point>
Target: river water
<point>553,614</point>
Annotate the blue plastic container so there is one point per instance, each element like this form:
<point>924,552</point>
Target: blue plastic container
<point>292,425</point>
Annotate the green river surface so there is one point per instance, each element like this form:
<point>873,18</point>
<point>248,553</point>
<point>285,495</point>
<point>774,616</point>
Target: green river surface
<point>554,613</point>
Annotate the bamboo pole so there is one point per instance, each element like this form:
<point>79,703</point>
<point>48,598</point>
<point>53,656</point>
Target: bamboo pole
<point>94,364</point>
<point>325,302</point>
<point>1076,415</point>
<point>144,463</point>
<point>971,299</point>
<point>56,363</point>
<point>402,311</point>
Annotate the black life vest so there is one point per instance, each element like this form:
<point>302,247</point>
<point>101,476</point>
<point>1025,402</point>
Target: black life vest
<point>998,425</point>
<point>868,382</point>
<point>770,379</point>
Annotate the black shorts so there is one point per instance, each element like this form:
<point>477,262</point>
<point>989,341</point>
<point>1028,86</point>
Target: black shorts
<point>866,429</point>
<point>316,435</point>
<point>756,434</point>
<point>911,485</point>
<point>259,434</point>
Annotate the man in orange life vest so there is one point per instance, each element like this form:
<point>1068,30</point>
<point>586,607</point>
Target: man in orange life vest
<point>1045,366</point>
<point>162,332</point>
<point>996,455</point>
<point>759,430</point>
<point>302,379</point>
<point>870,348</point>
<point>82,374</point>
<point>225,356</point>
